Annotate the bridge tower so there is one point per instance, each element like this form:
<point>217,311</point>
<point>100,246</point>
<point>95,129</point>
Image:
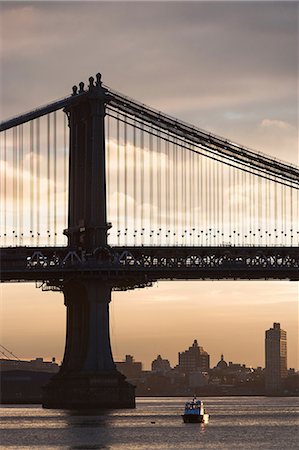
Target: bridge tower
<point>88,376</point>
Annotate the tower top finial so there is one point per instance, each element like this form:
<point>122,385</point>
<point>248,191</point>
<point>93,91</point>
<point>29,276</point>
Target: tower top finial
<point>81,87</point>
<point>99,79</point>
<point>91,82</point>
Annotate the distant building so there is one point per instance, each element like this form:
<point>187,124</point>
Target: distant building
<point>222,365</point>
<point>236,367</point>
<point>23,386</point>
<point>198,379</point>
<point>35,365</point>
<point>22,381</point>
<point>194,359</point>
<point>276,359</point>
<point>129,367</point>
<point>160,365</point>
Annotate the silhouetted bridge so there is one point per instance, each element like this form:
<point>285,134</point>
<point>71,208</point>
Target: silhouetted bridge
<point>127,197</point>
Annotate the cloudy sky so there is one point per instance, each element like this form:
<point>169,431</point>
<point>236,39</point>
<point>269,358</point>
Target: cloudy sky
<point>231,68</point>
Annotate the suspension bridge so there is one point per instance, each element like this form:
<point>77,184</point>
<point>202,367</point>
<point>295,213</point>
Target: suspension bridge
<point>100,192</point>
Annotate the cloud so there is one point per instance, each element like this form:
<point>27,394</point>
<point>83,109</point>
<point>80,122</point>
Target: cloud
<point>211,64</point>
<point>268,123</point>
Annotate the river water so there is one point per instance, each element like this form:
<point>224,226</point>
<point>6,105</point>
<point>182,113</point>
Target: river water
<point>156,423</point>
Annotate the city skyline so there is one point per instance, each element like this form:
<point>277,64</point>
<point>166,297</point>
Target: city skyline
<point>251,99</point>
<point>272,346</point>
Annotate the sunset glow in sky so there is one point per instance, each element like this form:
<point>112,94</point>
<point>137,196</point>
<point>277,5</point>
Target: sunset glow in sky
<point>230,68</point>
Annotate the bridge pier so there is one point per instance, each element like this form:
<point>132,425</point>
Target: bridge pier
<point>88,377</point>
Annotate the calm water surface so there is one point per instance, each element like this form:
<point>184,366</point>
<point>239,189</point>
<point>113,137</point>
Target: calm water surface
<point>156,423</point>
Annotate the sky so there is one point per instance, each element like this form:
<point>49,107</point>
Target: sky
<point>230,68</point>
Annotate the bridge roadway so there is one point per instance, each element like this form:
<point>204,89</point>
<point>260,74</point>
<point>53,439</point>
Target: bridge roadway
<point>131,267</point>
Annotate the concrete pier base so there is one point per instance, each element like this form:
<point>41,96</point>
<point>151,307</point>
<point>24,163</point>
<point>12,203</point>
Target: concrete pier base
<point>88,377</point>
<point>102,391</point>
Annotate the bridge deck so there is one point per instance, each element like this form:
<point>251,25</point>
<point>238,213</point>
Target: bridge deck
<point>136,266</point>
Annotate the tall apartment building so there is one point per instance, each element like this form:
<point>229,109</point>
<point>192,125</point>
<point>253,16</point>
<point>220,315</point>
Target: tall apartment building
<point>276,359</point>
<point>194,359</point>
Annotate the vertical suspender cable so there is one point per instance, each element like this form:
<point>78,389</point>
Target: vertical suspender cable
<point>206,200</point>
<point>199,176</point>
<point>291,228</point>
<point>55,177</point>
<point>126,178</point>
<point>5,189</point>
<point>254,209</point>
<point>167,189</point>
<point>282,215</point>
<point>64,170</point>
<point>134,181</point>
<point>182,208</point>
<point>191,193</point>
<point>235,205</point>
<point>222,202</point>
<point>21,182</point>
<point>142,183</point>
<point>48,179</point>
<point>177,190</point>
<point>251,187</point>
<point>230,202</point>
<point>259,209</point>
<point>297,216</point>
<point>174,190</point>
<point>151,182</point>
<point>238,205</point>
<point>209,199</point>
<point>270,211</point>
<point>108,165</point>
<point>217,176</point>
<point>14,184</point>
<point>215,223</point>
<point>37,180</point>
<point>244,207</point>
<point>192,179</point>
<point>31,180</point>
<point>159,186</point>
<point>266,206</point>
<point>273,207</point>
<point>181,194</point>
<point>118,178</point>
<point>185,208</point>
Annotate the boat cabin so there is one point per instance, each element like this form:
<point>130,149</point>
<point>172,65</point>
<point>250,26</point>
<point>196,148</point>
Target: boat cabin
<point>194,407</point>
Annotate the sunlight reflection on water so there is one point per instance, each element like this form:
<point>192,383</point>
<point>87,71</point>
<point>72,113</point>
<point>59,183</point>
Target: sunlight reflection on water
<point>156,424</point>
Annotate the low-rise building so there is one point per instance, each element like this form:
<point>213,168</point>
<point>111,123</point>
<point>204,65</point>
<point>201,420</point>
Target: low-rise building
<point>160,365</point>
<point>34,365</point>
<point>129,368</point>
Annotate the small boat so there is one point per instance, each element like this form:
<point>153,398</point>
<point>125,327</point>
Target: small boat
<point>195,412</point>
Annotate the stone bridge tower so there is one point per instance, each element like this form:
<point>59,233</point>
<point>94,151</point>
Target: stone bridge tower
<point>88,376</point>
